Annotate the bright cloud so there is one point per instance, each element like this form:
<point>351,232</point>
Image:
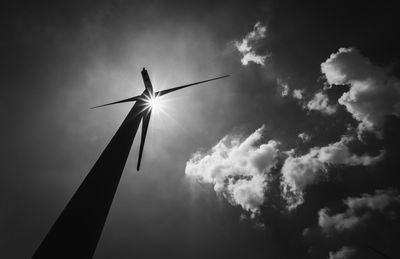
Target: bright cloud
<point>344,253</point>
<point>300,172</point>
<point>304,136</point>
<point>247,46</point>
<point>298,94</point>
<point>320,103</point>
<point>373,91</point>
<point>237,168</point>
<point>358,210</point>
<point>284,86</point>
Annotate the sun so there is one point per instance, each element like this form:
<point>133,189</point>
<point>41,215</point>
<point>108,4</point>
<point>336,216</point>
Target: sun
<point>155,103</point>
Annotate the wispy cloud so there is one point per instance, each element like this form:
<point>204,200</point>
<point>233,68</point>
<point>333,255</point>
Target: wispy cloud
<point>300,172</point>
<point>284,87</point>
<point>298,94</point>
<point>358,210</point>
<point>345,252</point>
<point>248,44</point>
<point>304,136</point>
<point>320,102</point>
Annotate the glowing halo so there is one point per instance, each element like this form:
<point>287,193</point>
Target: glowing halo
<point>154,103</point>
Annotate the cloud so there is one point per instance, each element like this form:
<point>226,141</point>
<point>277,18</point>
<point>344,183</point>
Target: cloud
<point>344,253</point>
<point>300,172</point>
<point>237,168</point>
<point>304,136</point>
<point>298,94</point>
<point>320,103</point>
<point>358,210</point>
<point>372,94</point>
<point>284,86</point>
<point>248,44</point>
<point>373,91</point>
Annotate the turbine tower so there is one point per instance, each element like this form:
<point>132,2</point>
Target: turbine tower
<point>77,230</point>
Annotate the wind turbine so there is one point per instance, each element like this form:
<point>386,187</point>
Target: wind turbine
<point>77,230</point>
<point>145,101</point>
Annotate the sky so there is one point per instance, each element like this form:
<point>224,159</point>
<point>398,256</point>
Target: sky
<point>292,156</point>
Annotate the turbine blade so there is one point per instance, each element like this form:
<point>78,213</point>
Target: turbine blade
<point>145,125</point>
<point>378,252</point>
<point>132,99</point>
<point>166,91</point>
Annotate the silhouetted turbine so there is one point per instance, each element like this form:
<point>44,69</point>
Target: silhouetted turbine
<point>77,230</point>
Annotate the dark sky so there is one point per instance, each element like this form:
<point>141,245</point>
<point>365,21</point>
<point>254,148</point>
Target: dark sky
<point>214,182</point>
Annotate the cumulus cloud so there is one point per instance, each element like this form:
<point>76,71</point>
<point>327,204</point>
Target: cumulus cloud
<point>304,136</point>
<point>373,91</point>
<point>300,172</point>
<point>298,94</point>
<point>344,253</point>
<point>372,94</point>
<point>238,169</point>
<point>358,210</point>
<point>320,103</point>
<point>247,46</point>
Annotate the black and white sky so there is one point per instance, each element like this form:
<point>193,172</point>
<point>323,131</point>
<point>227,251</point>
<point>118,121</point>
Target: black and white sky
<point>293,156</point>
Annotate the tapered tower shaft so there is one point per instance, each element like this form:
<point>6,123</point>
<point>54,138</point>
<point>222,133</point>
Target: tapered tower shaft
<point>77,230</point>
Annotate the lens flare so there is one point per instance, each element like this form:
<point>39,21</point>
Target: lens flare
<point>155,103</point>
